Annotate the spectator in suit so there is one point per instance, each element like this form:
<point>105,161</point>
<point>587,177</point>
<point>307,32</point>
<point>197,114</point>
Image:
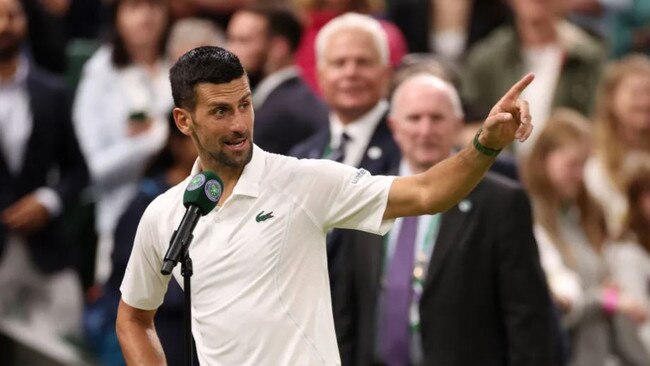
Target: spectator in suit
<point>354,73</point>
<point>265,39</point>
<point>566,61</point>
<point>473,291</point>
<point>42,171</point>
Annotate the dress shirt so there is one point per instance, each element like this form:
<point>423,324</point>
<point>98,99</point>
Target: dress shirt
<point>360,132</point>
<point>16,127</point>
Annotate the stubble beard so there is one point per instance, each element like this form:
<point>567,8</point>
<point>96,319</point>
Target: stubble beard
<point>225,159</point>
<point>222,158</point>
<point>10,51</point>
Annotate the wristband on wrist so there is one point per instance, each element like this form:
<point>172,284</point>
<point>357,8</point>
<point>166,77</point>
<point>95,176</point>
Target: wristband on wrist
<point>484,149</point>
<point>610,300</point>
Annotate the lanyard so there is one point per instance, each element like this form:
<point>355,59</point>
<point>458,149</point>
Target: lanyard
<point>327,152</point>
<point>420,266</point>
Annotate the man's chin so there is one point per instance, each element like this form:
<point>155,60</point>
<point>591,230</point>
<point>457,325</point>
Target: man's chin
<point>235,160</point>
<point>9,52</point>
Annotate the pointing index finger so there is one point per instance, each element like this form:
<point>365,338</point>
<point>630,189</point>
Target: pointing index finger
<point>516,90</point>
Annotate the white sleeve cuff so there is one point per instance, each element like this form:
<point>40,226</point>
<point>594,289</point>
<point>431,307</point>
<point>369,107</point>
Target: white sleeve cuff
<point>50,199</point>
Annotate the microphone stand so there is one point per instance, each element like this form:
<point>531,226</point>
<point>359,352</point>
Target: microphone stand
<point>187,270</point>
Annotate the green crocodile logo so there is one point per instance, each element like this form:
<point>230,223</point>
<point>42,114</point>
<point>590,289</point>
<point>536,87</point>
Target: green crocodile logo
<point>263,217</point>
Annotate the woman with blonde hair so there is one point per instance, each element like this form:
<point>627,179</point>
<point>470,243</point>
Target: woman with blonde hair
<point>629,257</point>
<point>622,133</point>
<point>571,234</point>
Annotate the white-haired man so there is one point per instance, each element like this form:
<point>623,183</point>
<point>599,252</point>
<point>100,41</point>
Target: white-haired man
<point>437,286</point>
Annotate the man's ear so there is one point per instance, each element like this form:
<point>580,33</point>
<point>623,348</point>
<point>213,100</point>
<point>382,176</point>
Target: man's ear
<point>390,122</point>
<point>183,119</point>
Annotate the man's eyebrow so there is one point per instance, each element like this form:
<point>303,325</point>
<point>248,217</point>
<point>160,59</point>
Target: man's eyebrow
<point>218,104</point>
<point>246,96</point>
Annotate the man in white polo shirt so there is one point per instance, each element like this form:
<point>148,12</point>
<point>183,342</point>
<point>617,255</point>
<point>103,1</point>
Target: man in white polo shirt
<point>260,290</point>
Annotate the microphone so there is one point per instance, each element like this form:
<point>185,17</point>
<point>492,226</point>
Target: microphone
<point>200,197</point>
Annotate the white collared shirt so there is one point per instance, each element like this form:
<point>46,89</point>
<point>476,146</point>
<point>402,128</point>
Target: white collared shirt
<point>15,117</point>
<point>260,289</point>
<point>360,132</point>
<point>270,83</point>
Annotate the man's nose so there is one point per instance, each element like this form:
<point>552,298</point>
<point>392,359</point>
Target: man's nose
<point>350,68</point>
<point>425,126</point>
<point>238,123</point>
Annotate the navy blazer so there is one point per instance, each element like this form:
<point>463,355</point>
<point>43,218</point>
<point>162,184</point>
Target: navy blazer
<point>52,150</point>
<point>382,139</point>
<point>485,300</point>
<point>290,114</point>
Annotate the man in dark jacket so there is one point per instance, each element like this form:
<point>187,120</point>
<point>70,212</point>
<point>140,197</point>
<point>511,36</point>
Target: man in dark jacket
<point>41,171</point>
<point>463,287</point>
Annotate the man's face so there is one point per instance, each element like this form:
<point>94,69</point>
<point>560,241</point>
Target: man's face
<point>351,76</point>
<point>13,28</point>
<point>424,124</point>
<point>221,125</point>
<point>248,39</point>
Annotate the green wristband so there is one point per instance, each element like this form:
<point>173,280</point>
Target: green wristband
<point>484,149</point>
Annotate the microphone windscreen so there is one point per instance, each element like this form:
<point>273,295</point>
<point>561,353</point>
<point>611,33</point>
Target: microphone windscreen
<point>203,191</point>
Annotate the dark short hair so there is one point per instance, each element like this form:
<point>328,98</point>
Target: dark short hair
<point>281,21</point>
<point>207,64</point>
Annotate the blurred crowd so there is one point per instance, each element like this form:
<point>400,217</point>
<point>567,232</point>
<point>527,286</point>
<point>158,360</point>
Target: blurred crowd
<point>547,262</point>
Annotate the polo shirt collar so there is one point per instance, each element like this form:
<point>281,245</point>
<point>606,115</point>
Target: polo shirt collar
<point>249,181</point>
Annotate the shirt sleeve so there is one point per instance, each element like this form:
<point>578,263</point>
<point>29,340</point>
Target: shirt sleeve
<point>340,196</point>
<point>143,286</point>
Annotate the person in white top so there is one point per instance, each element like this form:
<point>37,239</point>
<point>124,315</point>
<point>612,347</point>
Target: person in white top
<point>119,113</point>
<point>261,294</point>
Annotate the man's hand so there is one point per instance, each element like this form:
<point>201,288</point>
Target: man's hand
<point>508,119</point>
<point>25,216</point>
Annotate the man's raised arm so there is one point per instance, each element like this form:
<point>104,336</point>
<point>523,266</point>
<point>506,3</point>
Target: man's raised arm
<point>446,183</point>
<point>137,336</point>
